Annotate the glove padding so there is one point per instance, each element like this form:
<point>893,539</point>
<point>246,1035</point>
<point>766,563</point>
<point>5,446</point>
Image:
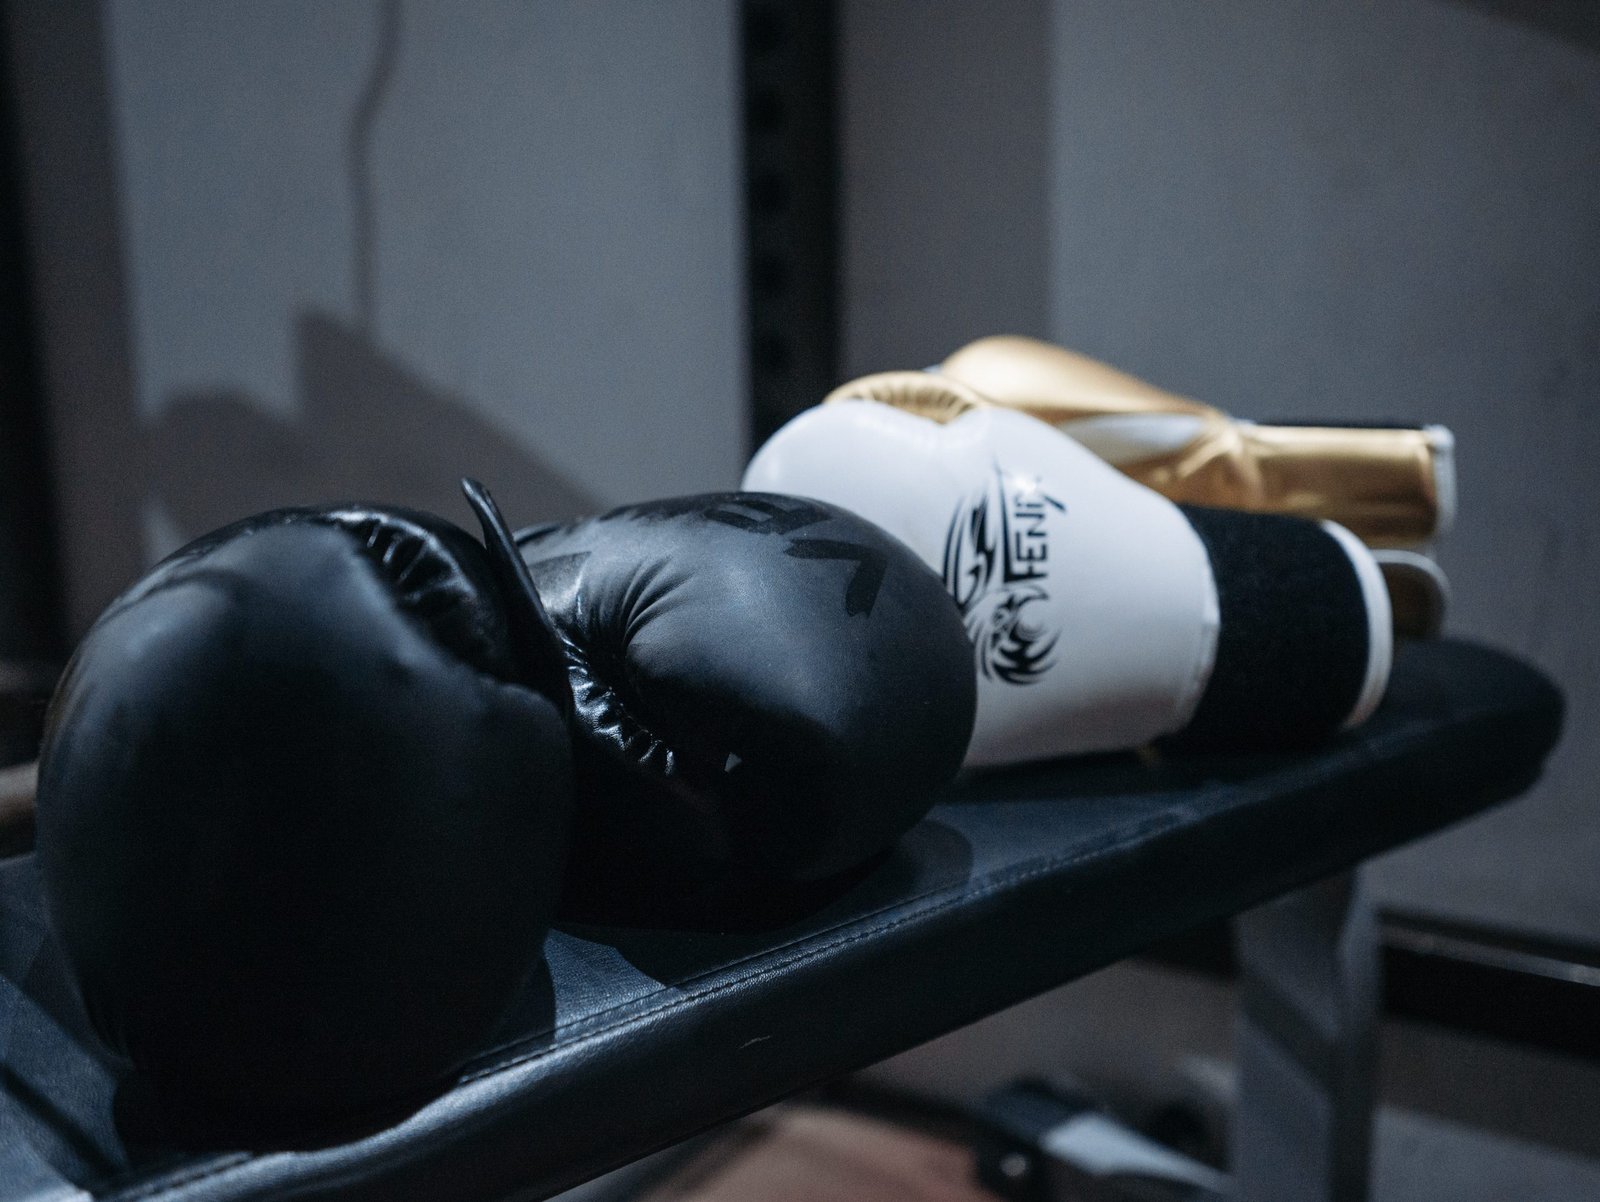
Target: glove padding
<point>302,812</point>
<point>766,690</point>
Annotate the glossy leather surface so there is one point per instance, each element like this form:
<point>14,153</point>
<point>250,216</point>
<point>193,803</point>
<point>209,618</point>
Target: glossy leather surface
<point>765,689</point>
<point>301,816</point>
<point>1016,882</point>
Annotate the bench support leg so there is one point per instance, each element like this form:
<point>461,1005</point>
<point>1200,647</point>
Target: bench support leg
<point>1308,1001</point>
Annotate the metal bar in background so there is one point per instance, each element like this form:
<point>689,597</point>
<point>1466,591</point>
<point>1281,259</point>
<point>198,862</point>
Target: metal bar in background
<point>791,189</point>
<point>32,633</point>
<point>66,182</point>
<point>1470,978</point>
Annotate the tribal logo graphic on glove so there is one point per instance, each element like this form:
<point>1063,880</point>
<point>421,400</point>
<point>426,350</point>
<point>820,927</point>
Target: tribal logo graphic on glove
<point>996,565</point>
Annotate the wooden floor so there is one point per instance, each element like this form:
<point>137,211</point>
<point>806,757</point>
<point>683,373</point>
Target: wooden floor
<point>812,1154</point>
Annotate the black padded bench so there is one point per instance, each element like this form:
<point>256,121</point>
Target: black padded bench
<point>1017,882</point>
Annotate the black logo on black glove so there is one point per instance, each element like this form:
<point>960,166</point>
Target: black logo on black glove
<point>996,565</point>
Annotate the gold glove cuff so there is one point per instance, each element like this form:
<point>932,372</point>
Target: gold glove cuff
<point>1391,487</point>
<point>1388,486</point>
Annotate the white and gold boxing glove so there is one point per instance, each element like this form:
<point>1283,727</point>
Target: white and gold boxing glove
<point>1393,487</point>
<point>1102,615</point>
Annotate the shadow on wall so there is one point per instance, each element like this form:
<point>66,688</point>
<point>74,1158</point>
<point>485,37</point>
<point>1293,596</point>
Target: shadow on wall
<point>368,428</point>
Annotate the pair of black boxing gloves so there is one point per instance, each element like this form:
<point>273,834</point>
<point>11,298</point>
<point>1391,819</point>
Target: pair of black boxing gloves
<point>314,789</point>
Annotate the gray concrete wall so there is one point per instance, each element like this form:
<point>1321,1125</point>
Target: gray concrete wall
<point>1320,209</point>
<point>362,247</point>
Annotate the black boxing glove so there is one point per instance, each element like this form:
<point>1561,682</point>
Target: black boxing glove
<point>302,810</point>
<point>766,689</point>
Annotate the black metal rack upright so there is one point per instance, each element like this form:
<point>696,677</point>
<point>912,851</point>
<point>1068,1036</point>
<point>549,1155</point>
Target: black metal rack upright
<point>790,206</point>
<point>32,634</point>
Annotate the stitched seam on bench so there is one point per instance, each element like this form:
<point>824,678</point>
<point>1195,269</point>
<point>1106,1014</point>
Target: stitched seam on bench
<point>993,883</point>
<point>199,1173</point>
<point>797,958</point>
<point>684,999</point>
<point>1369,746</point>
<point>1014,877</point>
<point>154,1189</point>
